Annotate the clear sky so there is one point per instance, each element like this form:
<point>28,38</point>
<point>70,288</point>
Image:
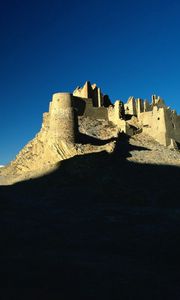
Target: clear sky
<point>129,48</point>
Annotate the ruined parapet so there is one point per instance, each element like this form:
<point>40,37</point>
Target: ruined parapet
<point>99,98</point>
<point>139,106</point>
<point>118,110</point>
<point>89,91</point>
<point>172,125</point>
<point>153,123</point>
<point>157,124</point>
<point>84,92</point>
<point>153,98</point>
<point>159,121</point>
<point>130,107</point>
<point>158,101</point>
<point>63,124</point>
<point>116,114</point>
<point>147,106</point>
<point>134,107</point>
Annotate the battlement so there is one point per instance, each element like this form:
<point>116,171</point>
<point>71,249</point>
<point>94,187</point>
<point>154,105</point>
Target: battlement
<point>90,91</point>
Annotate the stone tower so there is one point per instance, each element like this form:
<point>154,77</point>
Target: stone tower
<point>63,124</point>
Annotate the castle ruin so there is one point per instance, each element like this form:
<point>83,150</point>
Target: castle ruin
<point>137,115</point>
<point>60,135</point>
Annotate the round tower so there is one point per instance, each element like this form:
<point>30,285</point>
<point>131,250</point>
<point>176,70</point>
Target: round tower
<point>63,123</point>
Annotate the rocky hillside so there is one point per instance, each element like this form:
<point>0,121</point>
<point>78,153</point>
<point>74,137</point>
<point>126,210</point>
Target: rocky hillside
<point>41,156</point>
<point>153,153</point>
<point>105,222</point>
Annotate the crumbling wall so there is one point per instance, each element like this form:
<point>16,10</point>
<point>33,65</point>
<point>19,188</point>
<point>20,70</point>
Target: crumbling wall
<point>83,92</point>
<point>96,113</point>
<point>158,101</point>
<point>130,107</point>
<point>116,112</point>
<point>147,106</point>
<point>154,124</point>
<point>172,125</point>
<point>134,106</point>
<point>90,91</point>
<point>116,115</point>
<point>139,106</point>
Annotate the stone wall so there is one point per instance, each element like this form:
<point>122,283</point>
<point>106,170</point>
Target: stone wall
<point>130,107</point>
<point>63,123</point>
<point>96,113</point>
<point>162,124</point>
<point>154,124</point>
<point>89,91</point>
<point>116,115</point>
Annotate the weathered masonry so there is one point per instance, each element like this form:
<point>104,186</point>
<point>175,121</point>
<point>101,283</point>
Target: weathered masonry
<point>154,119</point>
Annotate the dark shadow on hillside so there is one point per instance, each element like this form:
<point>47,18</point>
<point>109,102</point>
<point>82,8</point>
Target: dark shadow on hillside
<point>123,148</point>
<point>99,227</point>
<point>86,139</point>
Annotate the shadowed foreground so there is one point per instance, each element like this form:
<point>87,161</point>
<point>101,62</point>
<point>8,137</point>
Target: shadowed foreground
<point>99,227</point>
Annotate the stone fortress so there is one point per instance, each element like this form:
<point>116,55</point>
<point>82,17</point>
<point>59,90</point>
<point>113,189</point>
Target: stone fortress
<point>137,115</point>
<point>61,128</point>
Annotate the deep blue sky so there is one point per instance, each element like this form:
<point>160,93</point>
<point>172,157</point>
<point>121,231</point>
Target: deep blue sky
<point>129,48</point>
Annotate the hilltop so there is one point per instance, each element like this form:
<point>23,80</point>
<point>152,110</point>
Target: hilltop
<point>85,121</point>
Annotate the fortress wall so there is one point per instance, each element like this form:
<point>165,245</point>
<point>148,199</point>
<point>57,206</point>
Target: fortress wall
<point>147,106</point>
<point>63,123</point>
<point>173,125</point>
<point>176,123</point>
<point>81,93</point>
<point>94,95</point>
<point>85,107</point>
<point>111,113</point>
<point>162,124</point>
<point>61,101</point>
<point>154,124</point>
<point>116,112</point>
<point>158,101</point>
<point>123,126</point>
<point>84,92</point>
<point>159,126</point>
<point>90,91</point>
<point>139,106</point>
<point>115,115</point>
<point>130,107</point>
<point>145,119</point>
<point>96,113</point>
<point>77,93</point>
<point>79,105</point>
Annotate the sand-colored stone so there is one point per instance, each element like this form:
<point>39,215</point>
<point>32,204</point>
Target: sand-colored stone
<point>130,107</point>
<point>62,126</point>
